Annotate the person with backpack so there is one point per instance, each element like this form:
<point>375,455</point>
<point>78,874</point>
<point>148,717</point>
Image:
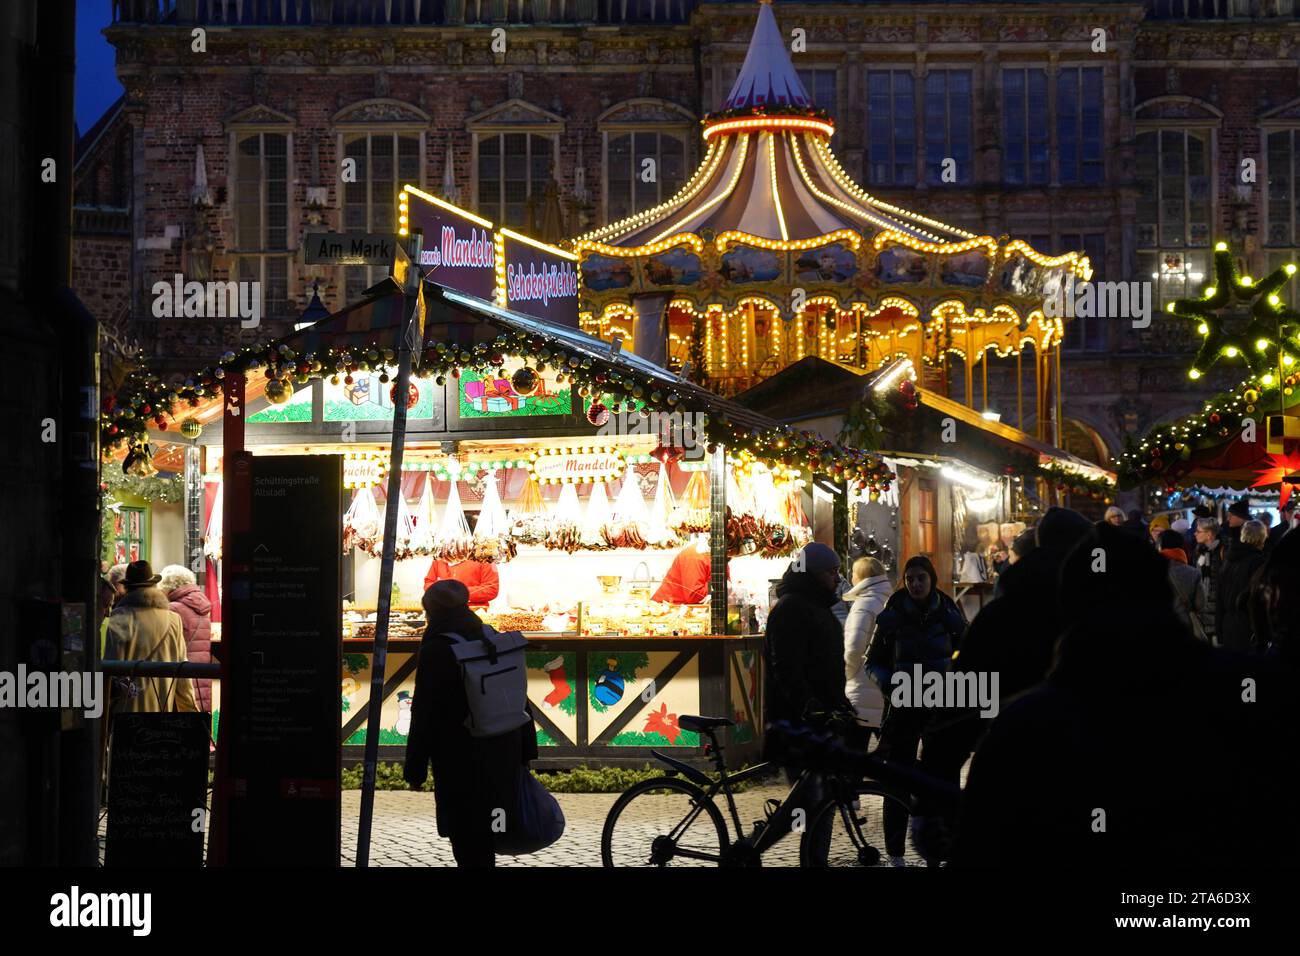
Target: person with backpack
<point>475,777</point>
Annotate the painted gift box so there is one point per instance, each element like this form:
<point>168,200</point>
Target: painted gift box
<point>493,395</point>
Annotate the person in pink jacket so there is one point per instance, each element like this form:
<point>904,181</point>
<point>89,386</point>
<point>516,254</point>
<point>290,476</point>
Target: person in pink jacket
<point>186,598</point>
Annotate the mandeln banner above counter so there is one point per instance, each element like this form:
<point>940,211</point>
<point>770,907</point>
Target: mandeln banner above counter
<point>464,252</point>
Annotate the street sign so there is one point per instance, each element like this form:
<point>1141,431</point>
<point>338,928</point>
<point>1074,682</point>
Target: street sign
<point>349,249</point>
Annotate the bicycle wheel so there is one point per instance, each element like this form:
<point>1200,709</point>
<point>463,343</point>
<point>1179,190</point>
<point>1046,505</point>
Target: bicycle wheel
<point>842,835</point>
<point>663,821</point>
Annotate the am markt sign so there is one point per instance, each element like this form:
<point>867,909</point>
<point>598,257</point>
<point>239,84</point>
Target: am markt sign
<point>349,249</point>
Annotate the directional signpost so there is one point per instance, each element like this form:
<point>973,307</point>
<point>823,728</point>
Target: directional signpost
<point>348,249</point>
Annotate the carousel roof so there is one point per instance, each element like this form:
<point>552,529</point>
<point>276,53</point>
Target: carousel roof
<point>769,171</point>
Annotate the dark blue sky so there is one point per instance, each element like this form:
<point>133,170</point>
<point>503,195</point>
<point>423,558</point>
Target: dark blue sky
<point>97,86</point>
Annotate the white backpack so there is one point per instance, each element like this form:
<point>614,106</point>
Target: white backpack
<point>496,681</point>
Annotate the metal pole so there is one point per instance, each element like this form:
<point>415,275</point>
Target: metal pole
<point>718,540</point>
<point>411,304</point>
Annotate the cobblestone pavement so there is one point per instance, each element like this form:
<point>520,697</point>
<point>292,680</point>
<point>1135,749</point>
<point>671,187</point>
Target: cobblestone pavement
<point>404,833</point>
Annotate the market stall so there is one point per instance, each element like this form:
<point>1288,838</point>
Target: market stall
<point>966,485</point>
<point>629,522</point>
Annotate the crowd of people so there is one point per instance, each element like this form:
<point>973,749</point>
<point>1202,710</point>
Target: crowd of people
<point>155,617</point>
<point>1146,683</point>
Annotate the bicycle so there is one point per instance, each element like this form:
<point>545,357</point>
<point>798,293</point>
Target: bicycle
<point>844,826</point>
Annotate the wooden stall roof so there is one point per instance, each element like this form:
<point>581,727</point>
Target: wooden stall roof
<point>816,387</point>
<point>451,318</point>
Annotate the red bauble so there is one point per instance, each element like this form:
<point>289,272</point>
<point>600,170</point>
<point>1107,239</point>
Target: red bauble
<point>1214,418</point>
<point>598,414</point>
<point>412,394</point>
<point>525,381</point>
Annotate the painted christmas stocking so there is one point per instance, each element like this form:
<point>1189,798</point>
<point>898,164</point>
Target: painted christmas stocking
<point>560,687</point>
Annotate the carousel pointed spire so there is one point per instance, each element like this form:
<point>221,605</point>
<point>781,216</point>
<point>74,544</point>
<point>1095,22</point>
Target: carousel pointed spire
<point>767,76</point>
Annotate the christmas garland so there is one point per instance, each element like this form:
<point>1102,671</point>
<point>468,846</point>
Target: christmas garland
<point>167,488</point>
<point>146,400</point>
<point>1268,344</point>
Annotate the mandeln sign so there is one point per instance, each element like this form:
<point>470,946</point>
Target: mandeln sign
<point>541,281</point>
<point>458,250</point>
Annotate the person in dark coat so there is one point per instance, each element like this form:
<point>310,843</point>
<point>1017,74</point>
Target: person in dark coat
<point>472,776</point>
<point>803,649</point>
<point>1013,636</point>
<point>804,643</point>
<point>1231,608</point>
<point>1096,767</point>
<point>1277,605</point>
<point>919,626</point>
<point>1135,524</point>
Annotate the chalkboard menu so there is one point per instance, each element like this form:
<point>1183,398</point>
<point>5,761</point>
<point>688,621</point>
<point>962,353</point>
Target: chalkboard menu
<point>158,781</point>
<point>285,800</point>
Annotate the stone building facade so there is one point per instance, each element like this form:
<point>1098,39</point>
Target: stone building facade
<point>1121,128</point>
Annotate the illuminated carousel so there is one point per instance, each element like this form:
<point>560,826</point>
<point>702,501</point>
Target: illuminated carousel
<point>771,253</point>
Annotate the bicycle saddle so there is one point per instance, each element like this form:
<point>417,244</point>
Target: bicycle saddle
<point>697,724</point>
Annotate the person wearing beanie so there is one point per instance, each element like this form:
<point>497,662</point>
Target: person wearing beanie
<point>803,650</point>
<point>1158,526</point>
<point>1189,599</point>
<point>1238,515</point>
<point>804,642</point>
<point>1131,711</point>
<point>920,626</point>
<point>472,776</point>
<point>143,627</point>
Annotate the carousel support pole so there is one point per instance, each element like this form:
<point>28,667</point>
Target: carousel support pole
<point>410,336</point>
<point>984,371</point>
<point>970,374</point>
<point>1038,392</point>
<point>718,541</point>
<point>1058,419</point>
<point>1020,392</point>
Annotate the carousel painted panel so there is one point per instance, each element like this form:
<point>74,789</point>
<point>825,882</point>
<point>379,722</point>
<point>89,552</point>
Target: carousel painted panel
<point>966,270</point>
<point>899,265</point>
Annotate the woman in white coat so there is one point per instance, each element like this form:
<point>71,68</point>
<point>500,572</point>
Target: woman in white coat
<point>871,589</point>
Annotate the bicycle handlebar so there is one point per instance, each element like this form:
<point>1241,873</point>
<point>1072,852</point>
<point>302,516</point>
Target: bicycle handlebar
<point>805,748</point>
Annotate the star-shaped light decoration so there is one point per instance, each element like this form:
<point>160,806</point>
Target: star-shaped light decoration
<point>1271,328</point>
<point>1279,467</point>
